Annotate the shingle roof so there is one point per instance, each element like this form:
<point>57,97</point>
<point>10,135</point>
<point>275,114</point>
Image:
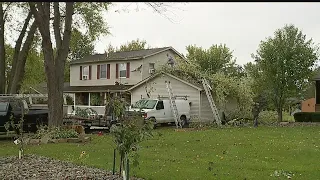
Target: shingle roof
<point>194,84</point>
<point>120,55</point>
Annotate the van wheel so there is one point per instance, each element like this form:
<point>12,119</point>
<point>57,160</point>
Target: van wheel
<point>153,120</point>
<point>183,121</point>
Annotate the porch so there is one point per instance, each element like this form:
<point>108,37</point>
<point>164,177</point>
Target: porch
<point>93,100</point>
<point>94,97</point>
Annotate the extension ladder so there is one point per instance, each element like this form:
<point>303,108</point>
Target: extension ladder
<point>214,109</point>
<point>173,105</point>
<point>30,96</point>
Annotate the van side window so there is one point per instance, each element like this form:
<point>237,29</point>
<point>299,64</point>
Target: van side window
<point>160,105</point>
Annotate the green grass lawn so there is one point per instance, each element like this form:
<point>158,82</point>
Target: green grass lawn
<point>230,153</point>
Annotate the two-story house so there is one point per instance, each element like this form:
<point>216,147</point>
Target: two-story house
<point>132,74</point>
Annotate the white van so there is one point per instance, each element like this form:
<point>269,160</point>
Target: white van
<point>160,111</point>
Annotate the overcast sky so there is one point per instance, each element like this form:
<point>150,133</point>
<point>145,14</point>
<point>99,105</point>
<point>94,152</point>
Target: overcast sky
<point>241,26</point>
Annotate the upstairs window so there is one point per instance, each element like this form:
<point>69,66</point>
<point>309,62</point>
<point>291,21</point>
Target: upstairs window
<point>103,71</point>
<point>85,70</point>
<point>123,70</point>
<point>151,68</point>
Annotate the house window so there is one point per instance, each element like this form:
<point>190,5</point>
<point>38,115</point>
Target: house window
<point>151,65</point>
<point>103,71</point>
<point>85,72</point>
<point>123,70</point>
<point>151,68</point>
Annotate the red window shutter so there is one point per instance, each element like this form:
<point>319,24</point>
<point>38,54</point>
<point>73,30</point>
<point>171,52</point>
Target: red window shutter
<point>117,71</point>
<point>128,70</point>
<point>98,71</point>
<point>90,72</point>
<point>80,72</point>
<point>108,71</point>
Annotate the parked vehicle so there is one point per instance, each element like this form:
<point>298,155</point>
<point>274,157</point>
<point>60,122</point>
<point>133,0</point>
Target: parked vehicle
<point>159,110</point>
<point>11,109</point>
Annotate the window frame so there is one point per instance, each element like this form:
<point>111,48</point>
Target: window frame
<point>152,65</point>
<point>83,71</point>
<point>105,69</point>
<point>123,69</point>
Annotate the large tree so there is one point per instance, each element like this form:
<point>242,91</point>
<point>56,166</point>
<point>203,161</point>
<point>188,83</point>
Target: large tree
<point>2,51</point>
<point>217,58</point>
<point>129,46</point>
<point>22,45</point>
<point>285,62</point>
<point>54,62</point>
<point>33,70</point>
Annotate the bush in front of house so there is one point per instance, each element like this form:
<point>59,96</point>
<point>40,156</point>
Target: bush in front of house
<point>307,117</point>
<point>55,133</point>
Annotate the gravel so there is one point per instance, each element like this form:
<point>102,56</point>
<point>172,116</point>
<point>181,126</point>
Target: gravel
<point>36,167</point>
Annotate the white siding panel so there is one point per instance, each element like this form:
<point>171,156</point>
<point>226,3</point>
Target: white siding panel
<point>159,88</point>
<point>206,112</point>
<point>158,60</point>
<point>135,77</point>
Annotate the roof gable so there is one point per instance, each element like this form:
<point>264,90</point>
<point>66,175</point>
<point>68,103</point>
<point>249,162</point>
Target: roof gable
<point>170,75</point>
<point>124,55</point>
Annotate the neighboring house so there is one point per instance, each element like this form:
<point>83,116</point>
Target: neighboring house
<point>94,76</point>
<point>308,105</point>
<point>317,92</point>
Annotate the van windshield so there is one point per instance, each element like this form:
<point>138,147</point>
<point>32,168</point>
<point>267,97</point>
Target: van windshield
<point>145,104</point>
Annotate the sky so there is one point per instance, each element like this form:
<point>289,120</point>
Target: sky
<point>241,26</point>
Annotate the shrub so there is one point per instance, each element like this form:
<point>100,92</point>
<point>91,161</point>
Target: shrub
<point>269,117</point>
<point>307,117</point>
<point>69,100</point>
<point>63,133</point>
<point>55,133</point>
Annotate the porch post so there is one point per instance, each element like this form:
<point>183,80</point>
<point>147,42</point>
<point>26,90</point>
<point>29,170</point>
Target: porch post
<point>105,98</point>
<point>64,99</point>
<point>89,99</point>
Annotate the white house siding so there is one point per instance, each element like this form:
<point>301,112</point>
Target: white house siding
<point>134,78</point>
<point>206,112</point>
<point>159,60</point>
<point>179,88</point>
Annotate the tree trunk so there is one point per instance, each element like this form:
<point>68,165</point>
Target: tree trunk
<point>54,64</point>
<point>16,54</point>
<point>121,164</point>
<point>2,53</point>
<point>279,111</point>
<point>19,70</point>
<point>255,121</point>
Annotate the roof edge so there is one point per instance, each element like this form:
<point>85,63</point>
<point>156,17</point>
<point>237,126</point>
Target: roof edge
<point>159,73</point>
